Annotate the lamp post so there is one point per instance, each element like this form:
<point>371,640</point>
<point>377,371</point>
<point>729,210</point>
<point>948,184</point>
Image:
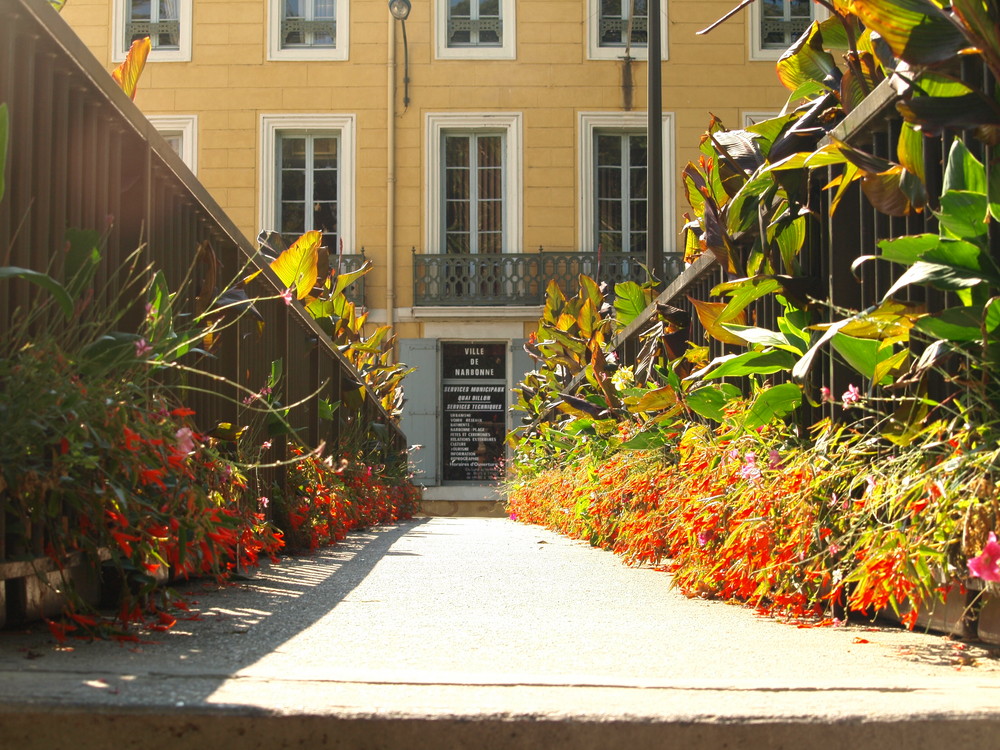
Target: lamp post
<point>400,9</point>
<point>654,146</point>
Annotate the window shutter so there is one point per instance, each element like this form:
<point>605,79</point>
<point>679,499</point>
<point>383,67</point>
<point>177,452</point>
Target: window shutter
<point>421,411</point>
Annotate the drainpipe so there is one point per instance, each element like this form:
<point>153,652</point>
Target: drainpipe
<point>390,186</point>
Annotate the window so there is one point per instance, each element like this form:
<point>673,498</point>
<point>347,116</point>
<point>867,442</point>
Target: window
<point>776,24</point>
<point>167,23</point>
<point>613,149</point>
<point>181,132</point>
<point>473,183</point>
<point>620,191</point>
<point>475,29</point>
<point>308,30</point>
<point>473,193</point>
<point>620,25</point>
<point>307,177</point>
<point>752,118</point>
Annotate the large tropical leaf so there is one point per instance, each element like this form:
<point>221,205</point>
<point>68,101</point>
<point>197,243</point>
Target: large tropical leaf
<point>807,62</point>
<point>751,363</point>
<point>772,404</point>
<point>127,74</point>
<point>297,267</point>
<point>57,290</point>
<point>344,280</point>
<point>710,315</point>
<point>917,30</point>
<point>630,301</point>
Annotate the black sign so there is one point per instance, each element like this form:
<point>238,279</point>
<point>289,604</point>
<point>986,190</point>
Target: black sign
<point>478,361</point>
<point>474,401</point>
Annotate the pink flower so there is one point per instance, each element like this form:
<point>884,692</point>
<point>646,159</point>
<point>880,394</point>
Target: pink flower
<point>266,445</point>
<point>142,348</point>
<point>185,441</point>
<point>262,501</point>
<point>987,565</point>
<point>851,396</point>
<point>750,470</point>
<point>287,296</point>
<point>825,395</point>
<point>773,459</point>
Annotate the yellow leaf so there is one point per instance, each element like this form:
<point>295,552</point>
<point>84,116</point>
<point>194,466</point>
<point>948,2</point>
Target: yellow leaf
<point>127,74</point>
<point>710,315</point>
<point>298,265</point>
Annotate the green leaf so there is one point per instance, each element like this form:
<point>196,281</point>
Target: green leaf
<point>327,409</point>
<point>955,324</point>
<point>863,355</point>
<point>82,259</point>
<point>630,301</point>
<point>790,237</point>
<point>963,214</point>
<point>772,404</point>
<point>910,150</point>
<point>806,62</point>
<point>710,401</point>
<point>755,335</point>
<point>344,280</point>
<point>752,363</point>
<point>964,171</point>
<point>994,191</point>
<point>909,249</point>
<point>57,290</point>
<point>941,277</point>
<point>646,440</point>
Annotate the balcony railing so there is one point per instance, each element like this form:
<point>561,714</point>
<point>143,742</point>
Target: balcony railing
<point>520,278</point>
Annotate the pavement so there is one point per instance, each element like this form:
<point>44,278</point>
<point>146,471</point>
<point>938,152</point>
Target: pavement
<point>485,633</point>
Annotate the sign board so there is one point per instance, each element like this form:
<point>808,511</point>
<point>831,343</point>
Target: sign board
<point>474,404</point>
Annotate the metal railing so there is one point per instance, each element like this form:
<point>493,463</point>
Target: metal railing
<point>520,278</point>
<point>83,156</point>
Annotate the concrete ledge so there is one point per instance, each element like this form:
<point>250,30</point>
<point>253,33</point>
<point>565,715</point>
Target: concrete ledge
<point>169,730</point>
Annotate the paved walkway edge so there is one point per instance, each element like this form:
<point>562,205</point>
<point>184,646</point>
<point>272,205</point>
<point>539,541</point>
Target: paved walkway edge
<point>139,728</point>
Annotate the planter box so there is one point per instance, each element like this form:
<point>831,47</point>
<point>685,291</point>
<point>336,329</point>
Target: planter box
<point>989,620</point>
<point>949,617</point>
<point>31,590</point>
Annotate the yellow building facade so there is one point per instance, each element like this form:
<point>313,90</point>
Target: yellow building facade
<point>469,150</point>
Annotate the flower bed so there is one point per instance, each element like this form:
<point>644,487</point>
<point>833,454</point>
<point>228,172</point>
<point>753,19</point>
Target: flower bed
<point>798,529</point>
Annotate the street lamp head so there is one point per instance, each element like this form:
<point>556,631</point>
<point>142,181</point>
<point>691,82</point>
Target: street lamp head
<point>400,9</point>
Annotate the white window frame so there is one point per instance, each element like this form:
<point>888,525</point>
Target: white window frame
<point>752,117</point>
<point>506,50</point>
<point>185,126</point>
<point>344,125</point>
<point>589,124</point>
<point>757,52</point>
<point>439,122</point>
<point>339,51</point>
<point>119,48</point>
<point>596,52</point>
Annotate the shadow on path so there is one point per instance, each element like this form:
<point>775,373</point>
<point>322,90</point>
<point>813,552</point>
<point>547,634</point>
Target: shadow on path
<point>236,626</point>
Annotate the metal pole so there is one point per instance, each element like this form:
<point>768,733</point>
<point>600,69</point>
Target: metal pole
<point>654,146</point>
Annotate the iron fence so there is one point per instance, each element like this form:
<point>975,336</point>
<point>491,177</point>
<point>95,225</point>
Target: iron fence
<point>82,156</point>
<point>520,278</point>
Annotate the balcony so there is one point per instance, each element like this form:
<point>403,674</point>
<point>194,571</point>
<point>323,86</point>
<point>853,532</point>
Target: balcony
<point>520,278</point>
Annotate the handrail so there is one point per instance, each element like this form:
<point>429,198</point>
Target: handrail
<point>84,156</point>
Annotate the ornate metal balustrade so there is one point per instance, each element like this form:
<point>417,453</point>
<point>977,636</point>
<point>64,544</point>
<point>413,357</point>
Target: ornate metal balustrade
<point>520,278</point>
